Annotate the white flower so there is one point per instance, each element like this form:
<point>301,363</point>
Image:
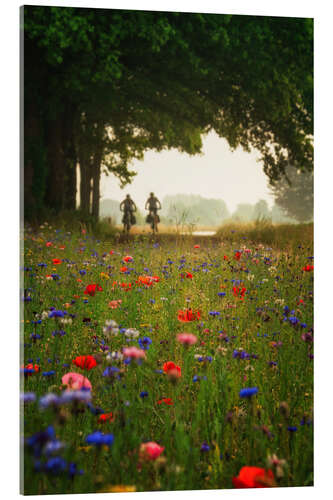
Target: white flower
<point>66,321</point>
<point>250,277</point>
<point>114,356</point>
<point>132,333</point>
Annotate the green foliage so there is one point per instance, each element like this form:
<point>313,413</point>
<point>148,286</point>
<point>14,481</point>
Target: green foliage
<point>163,79</point>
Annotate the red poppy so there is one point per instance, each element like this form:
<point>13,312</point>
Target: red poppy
<point>106,417</point>
<point>171,369</point>
<point>49,243</point>
<point>127,258</point>
<point>225,257</point>
<point>188,315</point>
<point>62,247</point>
<point>237,255</point>
<point>167,401</point>
<point>56,261</point>
<point>126,286</point>
<point>196,246</point>
<point>33,367</point>
<point>189,275</point>
<point>253,477</point>
<point>239,292</point>
<point>308,268</point>
<point>92,289</point>
<point>85,362</point>
<point>123,269</point>
<point>146,280</point>
<point>111,252</point>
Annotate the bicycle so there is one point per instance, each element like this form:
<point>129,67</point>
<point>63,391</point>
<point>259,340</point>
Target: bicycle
<point>153,219</point>
<point>128,221</point>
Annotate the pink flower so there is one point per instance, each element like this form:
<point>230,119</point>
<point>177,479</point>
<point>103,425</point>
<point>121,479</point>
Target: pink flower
<point>76,381</point>
<point>187,338</point>
<point>114,303</point>
<point>134,353</point>
<point>150,450</point>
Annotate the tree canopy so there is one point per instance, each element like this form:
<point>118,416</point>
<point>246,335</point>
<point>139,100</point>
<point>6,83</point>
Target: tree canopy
<point>102,86</point>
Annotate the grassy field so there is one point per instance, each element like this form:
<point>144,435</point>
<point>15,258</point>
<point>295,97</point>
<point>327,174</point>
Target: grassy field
<point>239,390</point>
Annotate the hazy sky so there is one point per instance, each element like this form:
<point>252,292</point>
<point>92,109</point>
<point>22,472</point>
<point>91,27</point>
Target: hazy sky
<point>236,177</point>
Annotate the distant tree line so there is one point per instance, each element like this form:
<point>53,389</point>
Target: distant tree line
<point>197,210</point>
<point>102,86</point>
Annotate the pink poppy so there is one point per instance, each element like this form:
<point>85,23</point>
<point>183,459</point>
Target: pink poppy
<point>187,338</point>
<point>150,450</point>
<point>114,303</point>
<point>76,381</point>
<point>134,353</point>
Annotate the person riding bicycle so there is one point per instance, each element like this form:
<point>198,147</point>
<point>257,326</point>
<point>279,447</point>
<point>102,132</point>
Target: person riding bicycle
<point>128,207</point>
<point>153,204</point>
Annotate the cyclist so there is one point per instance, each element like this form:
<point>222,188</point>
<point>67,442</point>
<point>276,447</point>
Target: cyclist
<point>128,207</point>
<point>153,204</point>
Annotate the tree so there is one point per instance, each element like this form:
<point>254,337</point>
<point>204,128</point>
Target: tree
<point>160,80</point>
<point>243,212</point>
<point>294,194</point>
<point>261,210</point>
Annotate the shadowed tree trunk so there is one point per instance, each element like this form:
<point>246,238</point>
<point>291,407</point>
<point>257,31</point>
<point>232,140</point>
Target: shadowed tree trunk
<point>55,194</point>
<point>96,183</point>
<point>70,156</point>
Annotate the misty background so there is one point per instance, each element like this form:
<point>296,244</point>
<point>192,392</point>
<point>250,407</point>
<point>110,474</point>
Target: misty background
<point>217,186</point>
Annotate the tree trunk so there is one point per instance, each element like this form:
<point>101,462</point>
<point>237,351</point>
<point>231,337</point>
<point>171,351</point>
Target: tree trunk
<point>55,193</point>
<point>85,184</point>
<point>70,157</point>
<point>96,183</point>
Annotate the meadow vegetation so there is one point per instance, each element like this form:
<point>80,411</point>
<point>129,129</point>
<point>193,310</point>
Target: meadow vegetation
<point>227,405</point>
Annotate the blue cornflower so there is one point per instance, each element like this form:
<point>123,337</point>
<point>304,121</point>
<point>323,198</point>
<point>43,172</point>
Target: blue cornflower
<point>98,438</point>
<point>35,336</point>
<point>55,465</point>
<point>248,392</point>
<point>110,371</point>
<point>205,447</point>
<point>49,399</point>
<point>58,333</point>
<point>48,374</point>
<point>145,342</point>
<point>95,410</point>
<point>82,272</point>
<point>293,320</point>
<point>73,470</point>
<point>28,397</point>
<point>292,428</point>
<point>143,394</point>
<point>221,294</point>
<point>57,314</point>
<point>214,313</point>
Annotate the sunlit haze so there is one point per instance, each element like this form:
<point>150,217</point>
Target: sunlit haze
<point>236,177</point>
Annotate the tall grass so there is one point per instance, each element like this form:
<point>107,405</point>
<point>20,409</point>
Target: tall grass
<point>263,231</point>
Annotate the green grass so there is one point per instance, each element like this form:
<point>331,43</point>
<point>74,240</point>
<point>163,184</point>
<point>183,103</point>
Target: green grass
<point>239,431</point>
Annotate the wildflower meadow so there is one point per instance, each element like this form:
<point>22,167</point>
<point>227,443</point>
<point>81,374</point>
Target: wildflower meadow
<point>165,363</point>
